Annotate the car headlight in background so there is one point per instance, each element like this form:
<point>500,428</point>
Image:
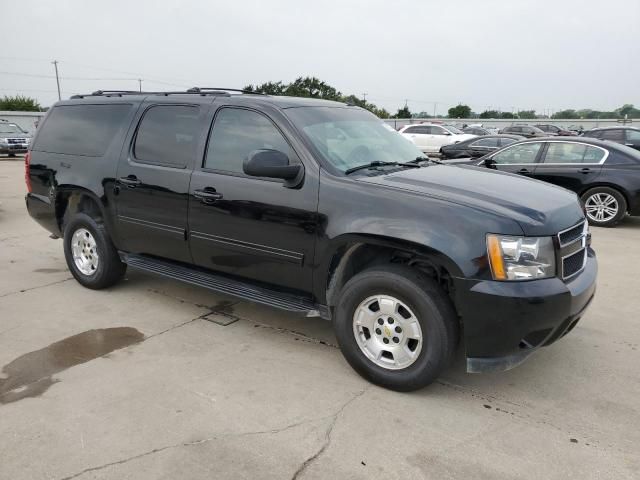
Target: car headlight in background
<point>521,258</point>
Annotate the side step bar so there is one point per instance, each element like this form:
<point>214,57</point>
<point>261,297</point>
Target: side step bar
<point>224,285</point>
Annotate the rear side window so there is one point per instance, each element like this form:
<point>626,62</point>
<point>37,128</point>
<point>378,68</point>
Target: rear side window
<point>422,130</point>
<point>485,142</point>
<point>559,152</point>
<point>238,132</point>
<point>507,141</point>
<point>167,135</point>
<point>615,135</point>
<point>84,130</point>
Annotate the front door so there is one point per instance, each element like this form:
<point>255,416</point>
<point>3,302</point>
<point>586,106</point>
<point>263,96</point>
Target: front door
<point>570,165</point>
<point>521,158</point>
<point>254,228</point>
<point>632,139</point>
<point>152,182</point>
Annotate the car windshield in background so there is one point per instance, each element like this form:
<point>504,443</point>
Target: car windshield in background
<point>348,137</point>
<point>10,128</point>
<point>453,130</point>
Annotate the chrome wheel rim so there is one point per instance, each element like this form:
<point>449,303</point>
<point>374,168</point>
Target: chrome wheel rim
<point>85,251</point>
<point>387,332</point>
<point>601,207</point>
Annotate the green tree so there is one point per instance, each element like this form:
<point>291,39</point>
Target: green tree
<point>20,103</point>
<point>507,115</point>
<point>566,114</point>
<point>312,87</point>
<point>490,114</point>
<point>269,88</point>
<point>527,114</point>
<point>403,112</point>
<point>629,110</point>
<point>460,111</point>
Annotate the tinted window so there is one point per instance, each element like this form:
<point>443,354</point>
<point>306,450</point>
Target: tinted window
<point>522,153</point>
<point>236,133</point>
<point>423,130</point>
<point>485,142</point>
<point>437,131</point>
<point>633,136</point>
<point>615,135</point>
<point>593,134</point>
<point>168,135</point>
<point>513,129</point>
<point>85,130</point>
<point>558,152</point>
<point>506,141</point>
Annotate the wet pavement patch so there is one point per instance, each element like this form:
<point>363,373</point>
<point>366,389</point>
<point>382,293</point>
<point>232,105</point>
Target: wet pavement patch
<point>30,375</point>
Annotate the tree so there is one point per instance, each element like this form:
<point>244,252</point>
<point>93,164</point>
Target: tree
<point>566,114</point>
<point>490,114</point>
<point>312,87</point>
<point>269,88</point>
<point>460,111</point>
<point>527,114</point>
<point>20,103</point>
<point>507,115</point>
<point>629,110</point>
<point>403,112</point>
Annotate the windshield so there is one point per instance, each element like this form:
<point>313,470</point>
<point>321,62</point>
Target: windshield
<point>453,129</point>
<point>10,128</point>
<point>348,137</point>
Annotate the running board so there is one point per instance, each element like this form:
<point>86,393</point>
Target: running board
<point>224,285</point>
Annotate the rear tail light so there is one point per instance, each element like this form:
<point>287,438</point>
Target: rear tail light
<point>27,172</point>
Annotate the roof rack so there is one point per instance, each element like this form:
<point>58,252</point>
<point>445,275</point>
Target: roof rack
<point>192,91</point>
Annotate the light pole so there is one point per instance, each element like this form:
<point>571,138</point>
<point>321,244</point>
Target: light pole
<point>55,65</point>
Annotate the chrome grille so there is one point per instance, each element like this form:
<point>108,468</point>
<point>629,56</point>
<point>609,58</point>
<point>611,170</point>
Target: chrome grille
<point>573,249</point>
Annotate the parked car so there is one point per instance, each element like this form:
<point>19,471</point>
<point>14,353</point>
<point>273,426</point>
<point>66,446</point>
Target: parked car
<point>604,174</point>
<point>479,131</point>
<point>524,130</point>
<point>429,138</point>
<point>629,136</point>
<point>478,147</point>
<point>13,139</point>
<point>315,207</point>
<point>550,129</point>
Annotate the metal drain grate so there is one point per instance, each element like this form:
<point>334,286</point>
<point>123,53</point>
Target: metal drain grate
<point>220,318</point>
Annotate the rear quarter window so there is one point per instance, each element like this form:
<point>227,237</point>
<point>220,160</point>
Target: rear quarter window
<point>83,130</point>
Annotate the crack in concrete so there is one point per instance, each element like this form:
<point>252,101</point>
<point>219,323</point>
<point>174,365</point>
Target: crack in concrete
<point>327,441</point>
<point>272,431</point>
<point>36,288</point>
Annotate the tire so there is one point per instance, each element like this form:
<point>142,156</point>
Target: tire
<point>101,270</point>
<point>421,298</point>
<point>599,203</point>
<point>12,154</point>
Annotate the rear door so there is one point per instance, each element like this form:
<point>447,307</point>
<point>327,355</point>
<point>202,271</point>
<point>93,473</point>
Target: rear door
<point>571,165</point>
<point>153,177</point>
<point>439,137</point>
<point>521,158</point>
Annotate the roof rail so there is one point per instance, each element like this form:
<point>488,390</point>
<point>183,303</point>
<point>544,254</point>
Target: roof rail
<point>192,91</point>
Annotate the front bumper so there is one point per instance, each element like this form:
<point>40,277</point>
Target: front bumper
<point>13,148</point>
<point>505,322</point>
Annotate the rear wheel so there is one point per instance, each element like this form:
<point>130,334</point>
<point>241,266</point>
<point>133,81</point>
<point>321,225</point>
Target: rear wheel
<point>90,255</point>
<point>605,206</point>
<point>396,327</point>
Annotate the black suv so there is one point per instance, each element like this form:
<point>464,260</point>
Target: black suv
<point>629,136</point>
<point>315,207</point>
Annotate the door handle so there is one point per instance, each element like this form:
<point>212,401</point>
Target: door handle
<point>207,195</point>
<point>130,181</point>
<point>585,170</point>
<point>524,170</point>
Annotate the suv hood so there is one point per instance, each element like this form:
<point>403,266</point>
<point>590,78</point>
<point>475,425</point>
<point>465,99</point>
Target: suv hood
<point>539,208</point>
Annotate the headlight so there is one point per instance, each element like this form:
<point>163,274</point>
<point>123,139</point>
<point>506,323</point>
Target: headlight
<point>521,258</point>
<point>4,140</point>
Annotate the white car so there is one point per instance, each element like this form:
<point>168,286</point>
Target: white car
<point>430,137</point>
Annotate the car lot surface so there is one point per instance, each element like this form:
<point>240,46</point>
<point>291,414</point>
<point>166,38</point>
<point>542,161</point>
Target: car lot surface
<point>138,382</point>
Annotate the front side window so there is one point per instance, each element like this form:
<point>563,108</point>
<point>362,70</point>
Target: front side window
<point>517,154</point>
<point>633,136</point>
<point>438,131</point>
<point>506,141</point>
<point>559,152</point>
<point>168,135</point>
<point>418,130</point>
<point>237,132</point>
<point>366,137</point>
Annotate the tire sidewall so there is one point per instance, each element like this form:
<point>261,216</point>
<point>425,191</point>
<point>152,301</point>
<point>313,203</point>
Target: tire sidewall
<point>622,206</point>
<point>433,356</point>
<point>77,222</point>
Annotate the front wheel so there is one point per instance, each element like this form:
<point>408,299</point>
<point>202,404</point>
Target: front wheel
<point>605,206</point>
<point>396,327</point>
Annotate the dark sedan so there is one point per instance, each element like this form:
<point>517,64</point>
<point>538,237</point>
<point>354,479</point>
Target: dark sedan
<point>604,174</point>
<point>476,131</point>
<point>556,130</point>
<point>524,130</point>
<point>477,147</point>
<point>629,136</point>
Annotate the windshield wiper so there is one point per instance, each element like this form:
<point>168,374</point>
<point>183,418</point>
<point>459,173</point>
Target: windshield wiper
<point>378,163</point>
<point>428,159</point>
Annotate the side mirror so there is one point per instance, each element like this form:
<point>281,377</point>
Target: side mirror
<point>490,163</point>
<point>271,164</point>
<point>447,133</point>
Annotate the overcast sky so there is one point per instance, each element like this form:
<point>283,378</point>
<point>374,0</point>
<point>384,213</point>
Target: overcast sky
<point>501,53</point>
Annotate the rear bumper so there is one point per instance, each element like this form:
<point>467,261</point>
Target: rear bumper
<point>506,322</point>
<point>43,212</point>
